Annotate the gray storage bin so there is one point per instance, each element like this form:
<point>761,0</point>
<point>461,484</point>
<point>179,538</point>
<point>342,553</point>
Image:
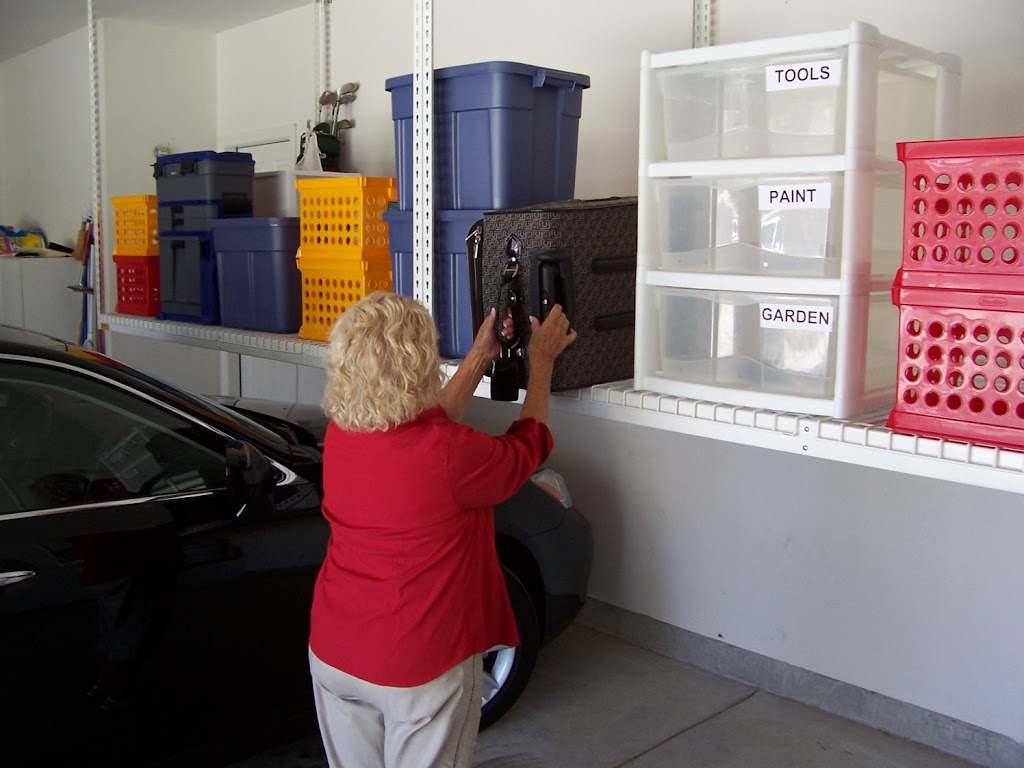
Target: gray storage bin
<point>205,177</point>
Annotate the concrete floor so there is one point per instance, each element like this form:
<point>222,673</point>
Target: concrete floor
<point>598,702</point>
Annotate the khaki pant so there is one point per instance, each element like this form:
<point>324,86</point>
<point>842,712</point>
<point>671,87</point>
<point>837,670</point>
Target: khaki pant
<point>433,725</point>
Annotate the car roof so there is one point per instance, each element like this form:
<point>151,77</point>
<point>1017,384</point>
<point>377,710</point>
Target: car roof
<point>11,335</point>
<point>20,342</point>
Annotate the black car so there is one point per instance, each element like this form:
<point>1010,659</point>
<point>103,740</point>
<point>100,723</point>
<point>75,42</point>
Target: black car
<point>157,556</point>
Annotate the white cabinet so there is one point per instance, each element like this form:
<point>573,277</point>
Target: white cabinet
<point>770,216</point>
<point>34,294</point>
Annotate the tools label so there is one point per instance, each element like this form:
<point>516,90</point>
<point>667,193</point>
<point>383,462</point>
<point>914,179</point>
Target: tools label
<point>811,74</point>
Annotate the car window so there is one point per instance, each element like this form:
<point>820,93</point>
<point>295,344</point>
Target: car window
<point>68,438</point>
<point>236,421</point>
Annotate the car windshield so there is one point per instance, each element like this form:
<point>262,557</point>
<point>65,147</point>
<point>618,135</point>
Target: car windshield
<point>215,412</point>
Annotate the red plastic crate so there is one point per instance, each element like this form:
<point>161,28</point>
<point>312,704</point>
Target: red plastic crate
<point>960,370</point>
<point>138,285</point>
<point>962,205</point>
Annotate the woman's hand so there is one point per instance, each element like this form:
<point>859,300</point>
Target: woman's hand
<point>549,338</point>
<point>547,341</point>
<point>486,343</point>
<point>457,393</point>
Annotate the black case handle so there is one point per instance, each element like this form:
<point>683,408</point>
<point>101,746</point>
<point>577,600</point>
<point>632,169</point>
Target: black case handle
<point>551,283</point>
<point>613,265</point>
<point>474,244</point>
<point>615,322</point>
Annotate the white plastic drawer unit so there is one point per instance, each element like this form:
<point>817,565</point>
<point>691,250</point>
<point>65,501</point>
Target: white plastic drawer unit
<point>774,350</point>
<point>780,225</point>
<point>807,95</point>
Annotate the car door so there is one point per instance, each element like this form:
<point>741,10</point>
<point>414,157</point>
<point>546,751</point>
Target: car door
<point>144,611</point>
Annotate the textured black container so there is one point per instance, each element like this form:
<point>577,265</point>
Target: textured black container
<point>588,250</point>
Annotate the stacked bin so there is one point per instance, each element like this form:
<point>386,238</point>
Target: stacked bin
<point>342,246</point>
<point>769,216</point>
<point>136,252</point>
<point>505,136</point>
<point>258,283</point>
<point>960,292</point>
<point>193,190</point>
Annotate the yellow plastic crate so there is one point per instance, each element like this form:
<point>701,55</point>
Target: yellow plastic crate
<point>135,226</point>
<point>330,286</point>
<point>368,261</point>
<point>344,214</point>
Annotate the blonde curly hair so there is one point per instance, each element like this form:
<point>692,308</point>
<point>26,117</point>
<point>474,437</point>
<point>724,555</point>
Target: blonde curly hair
<point>383,366</point>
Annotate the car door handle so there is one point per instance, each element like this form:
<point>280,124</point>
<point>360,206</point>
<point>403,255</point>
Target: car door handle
<point>13,577</point>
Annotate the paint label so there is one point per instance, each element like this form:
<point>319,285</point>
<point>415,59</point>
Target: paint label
<point>811,74</point>
<point>797,317</point>
<point>772,197</point>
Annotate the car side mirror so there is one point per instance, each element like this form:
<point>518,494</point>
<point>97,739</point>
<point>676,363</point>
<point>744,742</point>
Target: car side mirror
<point>251,478</point>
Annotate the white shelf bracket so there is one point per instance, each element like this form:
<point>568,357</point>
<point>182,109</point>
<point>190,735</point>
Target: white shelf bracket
<point>321,50</point>
<point>702,23</point>
<point>423,195</point>
<point>90,319</point>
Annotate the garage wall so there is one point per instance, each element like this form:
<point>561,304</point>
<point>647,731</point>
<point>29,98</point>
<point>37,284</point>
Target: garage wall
<point>892,583</point>
<point>903,586</point>
<point>984,33</point>
<point>372,42</point>
<point>158,88</point>
<point>206,371</point>
<point>265,76</point>
<point>46,177</point>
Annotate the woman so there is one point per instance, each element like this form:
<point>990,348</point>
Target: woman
<point>411,595</point>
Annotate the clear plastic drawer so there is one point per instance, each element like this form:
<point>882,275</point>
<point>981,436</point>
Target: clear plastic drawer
<point>804,95</point>
<point>768,343</point>
<point>787,226</point>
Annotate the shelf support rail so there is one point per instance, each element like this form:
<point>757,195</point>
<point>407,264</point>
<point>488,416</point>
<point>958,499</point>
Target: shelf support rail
<point>321,52</point>
<point>423,196</point>
<point>94,273</point>
<point>703,31</point>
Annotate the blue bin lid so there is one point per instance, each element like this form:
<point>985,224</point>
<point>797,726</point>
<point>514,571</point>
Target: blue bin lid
<point>467,215</point>
<point>541,75</point>
<point>255,221</point>
<point>209,154</point>
<point>202,236</point>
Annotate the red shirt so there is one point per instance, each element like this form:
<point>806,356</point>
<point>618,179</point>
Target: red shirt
<point>411,584</point>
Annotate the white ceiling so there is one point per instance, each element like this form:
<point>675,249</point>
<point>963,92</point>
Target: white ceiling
<point>25,24</point>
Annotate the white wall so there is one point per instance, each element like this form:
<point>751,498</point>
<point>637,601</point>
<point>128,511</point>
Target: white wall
<point>900,585</point>
<point>986,35</point>
<point>4,108</point>
<point>197,369</point>
<point>373,41</point>
<point>265,74</point>
<point>159,87</point>
<point>601,39</point>
<point>46,145</point>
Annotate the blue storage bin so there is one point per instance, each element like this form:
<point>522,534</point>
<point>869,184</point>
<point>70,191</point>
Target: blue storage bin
<point>188,279</point>
<point>205,177</point>
<point>453,313</point>
<point>505,135</point>
<point>258,281</point>
<point>195,217</point>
